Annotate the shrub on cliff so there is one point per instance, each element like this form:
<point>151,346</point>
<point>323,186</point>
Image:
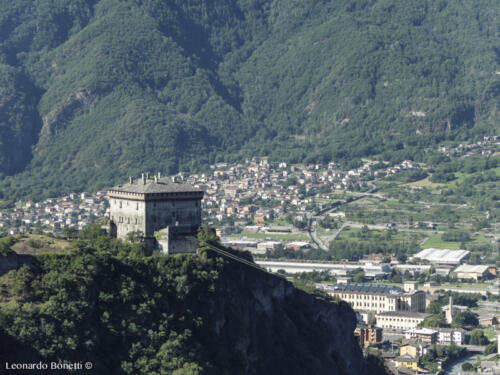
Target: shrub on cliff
<point>5,245</point>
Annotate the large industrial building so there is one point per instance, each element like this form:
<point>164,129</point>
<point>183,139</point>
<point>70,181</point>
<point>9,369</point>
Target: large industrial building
<point>475,272</point>
<point>443,256</point>
<point>378,298</point>
<point>372,270</point>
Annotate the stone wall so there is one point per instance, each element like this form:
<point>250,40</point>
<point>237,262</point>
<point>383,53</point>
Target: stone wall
<point>161,214</point>
<point>128,216</point>
<point>169,242</point>
<point>150,216</point>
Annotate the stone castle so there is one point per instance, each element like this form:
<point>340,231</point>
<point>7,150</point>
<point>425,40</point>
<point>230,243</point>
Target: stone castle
<point>166,213</point>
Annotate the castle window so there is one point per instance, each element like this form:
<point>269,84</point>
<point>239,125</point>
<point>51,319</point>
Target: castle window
<point>120,204</point>
<point>137,206</point>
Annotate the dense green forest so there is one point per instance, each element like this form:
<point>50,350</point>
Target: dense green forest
<point>106,302</point>
<point>92,91</point>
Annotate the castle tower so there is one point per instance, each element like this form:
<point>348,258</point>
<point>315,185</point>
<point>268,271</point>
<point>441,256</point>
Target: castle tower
<point>167,213</point>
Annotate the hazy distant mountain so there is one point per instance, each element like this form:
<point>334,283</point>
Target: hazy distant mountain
<point>91,91</point>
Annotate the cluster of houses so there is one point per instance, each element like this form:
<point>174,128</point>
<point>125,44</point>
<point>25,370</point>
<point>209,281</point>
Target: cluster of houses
<point>407,360</point>
<point>384,307</point>
<point>251,192</point>
<point>256,191</point>
<point>486,147</point>
<point>73,211</point>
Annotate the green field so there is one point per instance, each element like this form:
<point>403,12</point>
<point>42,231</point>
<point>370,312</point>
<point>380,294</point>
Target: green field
<point>462,176</point>
<point>34,244</point>
<point>436,242</point>
<point>367,201</point>
<point>490,333</point>
<point>424,183</point>
<point>480,286</point>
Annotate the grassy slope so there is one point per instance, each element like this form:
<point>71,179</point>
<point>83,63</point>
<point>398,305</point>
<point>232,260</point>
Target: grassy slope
<point>35,244</point>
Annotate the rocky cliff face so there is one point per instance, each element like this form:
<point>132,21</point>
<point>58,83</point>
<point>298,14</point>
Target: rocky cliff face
<point>274,328</point>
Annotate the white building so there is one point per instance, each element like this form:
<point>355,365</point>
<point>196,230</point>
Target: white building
<point>451,335</point>
<point>422,334</point>
<point>377,298</point>
<point>400,319</point>
<point>270,245</point>
<point>412,268</point>
<point>475,272</point>
<point>443,256</point>
<point>372,271</point>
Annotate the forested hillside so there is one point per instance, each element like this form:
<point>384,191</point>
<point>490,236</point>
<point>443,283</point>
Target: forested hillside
<point>92,91</point>
<point>106,303</point>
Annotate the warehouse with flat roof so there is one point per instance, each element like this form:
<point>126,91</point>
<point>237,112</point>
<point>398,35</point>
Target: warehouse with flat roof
<point>443,256</point>
<point>371,270</point>
<point>476,272</point>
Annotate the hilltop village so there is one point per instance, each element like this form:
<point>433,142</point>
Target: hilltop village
<point>250,192</point>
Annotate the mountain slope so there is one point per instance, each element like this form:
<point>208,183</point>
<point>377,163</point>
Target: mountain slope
<point>92,91</point>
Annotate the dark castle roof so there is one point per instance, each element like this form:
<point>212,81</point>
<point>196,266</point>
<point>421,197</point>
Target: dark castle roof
<point>151,186</point>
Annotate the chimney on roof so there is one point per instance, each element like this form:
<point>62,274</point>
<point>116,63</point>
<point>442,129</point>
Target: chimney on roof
<point>147,176</point>
<point>159,175</point>
<point>156,179</point>
<point>143,177</point>
<point>131,180</point>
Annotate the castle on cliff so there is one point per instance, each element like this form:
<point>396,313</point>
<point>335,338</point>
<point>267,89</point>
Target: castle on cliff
<point>166,213</point>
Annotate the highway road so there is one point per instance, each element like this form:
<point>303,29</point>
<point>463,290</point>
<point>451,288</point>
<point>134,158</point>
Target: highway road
<point>312,221</point>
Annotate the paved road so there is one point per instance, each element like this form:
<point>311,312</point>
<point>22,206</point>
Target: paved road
<point>483,292</point>
<point>312,221</point>
<point>312,233</point>
<point>338,231</point>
